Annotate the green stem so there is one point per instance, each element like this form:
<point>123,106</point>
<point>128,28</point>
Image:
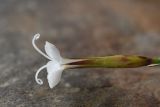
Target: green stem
<point>116,61</point>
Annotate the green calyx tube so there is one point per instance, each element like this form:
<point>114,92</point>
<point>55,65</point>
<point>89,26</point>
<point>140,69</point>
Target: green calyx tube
<point>116,61</point>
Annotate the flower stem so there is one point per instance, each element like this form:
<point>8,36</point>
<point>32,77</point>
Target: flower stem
<point>116,61</point>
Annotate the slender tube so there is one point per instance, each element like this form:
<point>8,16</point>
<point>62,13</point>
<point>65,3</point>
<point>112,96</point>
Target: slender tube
<point>116,61</point>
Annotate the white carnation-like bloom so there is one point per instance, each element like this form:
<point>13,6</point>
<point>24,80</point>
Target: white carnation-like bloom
<point>55,66</point>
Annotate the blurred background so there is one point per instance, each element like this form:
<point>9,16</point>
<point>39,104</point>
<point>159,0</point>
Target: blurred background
<point>79,28</point>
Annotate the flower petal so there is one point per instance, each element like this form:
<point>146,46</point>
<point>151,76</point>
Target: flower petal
<point>53,52</point>
<point>54,70</point>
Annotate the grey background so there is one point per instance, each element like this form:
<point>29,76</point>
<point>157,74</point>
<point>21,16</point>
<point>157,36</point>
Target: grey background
<point>79,28</point>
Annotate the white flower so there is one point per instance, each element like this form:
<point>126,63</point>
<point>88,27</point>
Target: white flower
<point>55,66</point>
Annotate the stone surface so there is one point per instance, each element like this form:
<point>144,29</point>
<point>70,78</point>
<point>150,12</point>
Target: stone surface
<point>79,28</point>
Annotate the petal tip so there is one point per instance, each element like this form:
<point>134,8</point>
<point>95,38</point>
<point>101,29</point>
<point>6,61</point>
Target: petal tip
<point>48,43</point>
<point>52,84</point>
